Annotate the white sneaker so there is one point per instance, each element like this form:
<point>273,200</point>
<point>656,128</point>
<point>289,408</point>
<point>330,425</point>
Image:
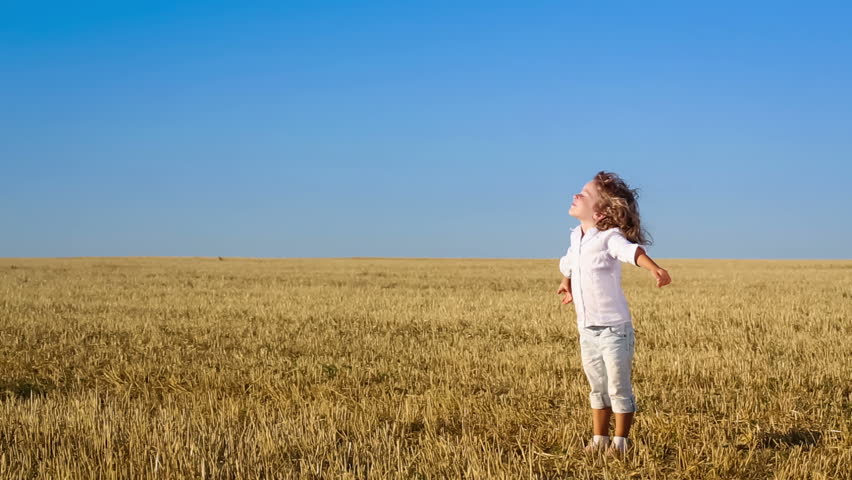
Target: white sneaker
<point>615,450</point>
<point>598,446</point>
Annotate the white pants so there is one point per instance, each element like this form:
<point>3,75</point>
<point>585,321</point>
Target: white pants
<point>607,354</point>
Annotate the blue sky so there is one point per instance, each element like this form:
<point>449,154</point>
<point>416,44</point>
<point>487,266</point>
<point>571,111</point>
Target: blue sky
<point>421,129</point>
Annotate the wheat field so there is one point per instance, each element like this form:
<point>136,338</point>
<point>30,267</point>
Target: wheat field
<point>412,368</point>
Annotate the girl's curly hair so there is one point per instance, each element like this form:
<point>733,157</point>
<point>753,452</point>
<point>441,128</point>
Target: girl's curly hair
<point>619,208</point>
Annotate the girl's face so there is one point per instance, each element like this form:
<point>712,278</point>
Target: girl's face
<point>583,205</point>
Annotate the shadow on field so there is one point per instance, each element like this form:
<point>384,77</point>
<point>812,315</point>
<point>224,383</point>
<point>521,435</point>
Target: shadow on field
<point>792,438</point>
<point>26,388</point>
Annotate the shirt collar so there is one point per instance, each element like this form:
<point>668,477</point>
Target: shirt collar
<point>591,233</point>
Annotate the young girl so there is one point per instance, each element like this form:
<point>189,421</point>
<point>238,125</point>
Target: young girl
<point>609,232</point>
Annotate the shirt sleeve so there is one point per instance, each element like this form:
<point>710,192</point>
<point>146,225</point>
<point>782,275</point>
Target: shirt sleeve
<point>565,264</point>
<point>622,249</point>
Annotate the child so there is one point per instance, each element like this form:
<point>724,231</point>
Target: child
<point>609,232</point>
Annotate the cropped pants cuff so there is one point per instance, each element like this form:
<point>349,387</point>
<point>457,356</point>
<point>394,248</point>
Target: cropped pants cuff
<point>599,401</point>
<point>623,404</point>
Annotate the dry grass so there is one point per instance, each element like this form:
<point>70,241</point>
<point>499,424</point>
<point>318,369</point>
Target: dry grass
<point>386,368</point>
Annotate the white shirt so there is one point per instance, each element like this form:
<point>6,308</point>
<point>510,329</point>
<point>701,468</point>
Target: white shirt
<point>592,263</point>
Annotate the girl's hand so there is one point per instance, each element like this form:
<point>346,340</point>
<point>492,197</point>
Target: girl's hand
<point>662,277</point>
<point>565,287</point>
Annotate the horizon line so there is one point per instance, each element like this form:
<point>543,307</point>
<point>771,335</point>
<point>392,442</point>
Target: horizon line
<point>223,257</point>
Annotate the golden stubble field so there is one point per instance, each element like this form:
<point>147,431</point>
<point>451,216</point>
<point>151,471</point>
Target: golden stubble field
<point>409,368</point>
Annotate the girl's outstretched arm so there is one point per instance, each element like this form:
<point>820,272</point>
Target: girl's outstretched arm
<point>644,261</point>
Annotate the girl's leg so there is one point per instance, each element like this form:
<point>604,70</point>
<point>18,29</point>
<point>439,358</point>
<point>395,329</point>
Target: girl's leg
<point>617,348</point>
<point>623,421</point>
<point>595,369</point>
<point>600,421</point>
